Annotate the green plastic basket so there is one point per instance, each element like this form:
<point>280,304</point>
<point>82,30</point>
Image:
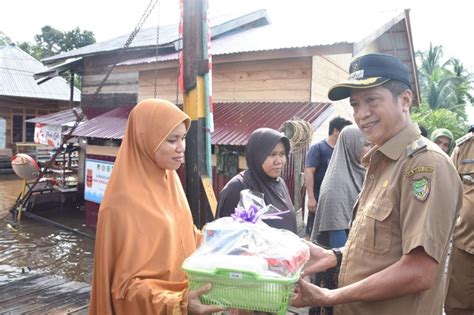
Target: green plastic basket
<point>243,289</point>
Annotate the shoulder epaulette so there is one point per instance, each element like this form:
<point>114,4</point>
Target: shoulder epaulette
<point>464,138</point>
<point>416,146</point>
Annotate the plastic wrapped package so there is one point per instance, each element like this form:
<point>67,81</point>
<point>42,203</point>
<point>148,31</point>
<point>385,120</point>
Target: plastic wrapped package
<point>250,264</point>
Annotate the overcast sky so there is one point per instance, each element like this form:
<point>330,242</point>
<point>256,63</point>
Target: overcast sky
<point>447,23</point>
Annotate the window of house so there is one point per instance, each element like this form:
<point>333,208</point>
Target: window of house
<point>30,130</point>
<point>17,128</point>
<point>3,133</point>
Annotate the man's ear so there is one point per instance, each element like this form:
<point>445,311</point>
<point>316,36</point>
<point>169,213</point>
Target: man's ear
<point>406,98</point>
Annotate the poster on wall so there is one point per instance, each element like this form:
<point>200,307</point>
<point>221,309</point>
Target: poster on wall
<point>48,134</point>
<point>97,176</point>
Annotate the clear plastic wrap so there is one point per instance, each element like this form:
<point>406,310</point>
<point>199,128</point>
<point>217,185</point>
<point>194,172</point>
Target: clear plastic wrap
<point>244,242</point>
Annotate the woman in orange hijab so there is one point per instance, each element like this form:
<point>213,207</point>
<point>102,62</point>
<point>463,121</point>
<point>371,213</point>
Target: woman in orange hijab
<point>145,228</point>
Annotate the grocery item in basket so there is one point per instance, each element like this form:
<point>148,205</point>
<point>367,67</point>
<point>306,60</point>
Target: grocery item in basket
<point>227,262</point>
<point>244,238</point>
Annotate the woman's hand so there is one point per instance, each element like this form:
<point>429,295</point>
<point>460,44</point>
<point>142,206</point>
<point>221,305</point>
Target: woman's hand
<point>320,259</point>
<point>196,307</point>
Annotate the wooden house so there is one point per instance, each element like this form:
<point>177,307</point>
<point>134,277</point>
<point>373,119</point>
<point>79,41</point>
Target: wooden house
<point>22,98</point>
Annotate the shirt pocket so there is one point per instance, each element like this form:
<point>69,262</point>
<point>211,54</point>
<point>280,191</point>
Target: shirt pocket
<point>378,227</point>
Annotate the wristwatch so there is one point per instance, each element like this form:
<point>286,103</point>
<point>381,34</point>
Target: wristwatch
<point>338,253</point>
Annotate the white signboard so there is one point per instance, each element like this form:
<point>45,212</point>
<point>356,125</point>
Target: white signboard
<point>48,134</point>
<point>97,176</point>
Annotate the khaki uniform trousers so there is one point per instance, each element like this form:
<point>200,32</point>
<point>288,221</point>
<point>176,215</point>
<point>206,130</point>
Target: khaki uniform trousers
<point>460,297</point>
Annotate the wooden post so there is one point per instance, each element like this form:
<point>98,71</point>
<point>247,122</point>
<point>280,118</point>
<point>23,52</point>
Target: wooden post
<point>71,87</point>
<point>194,105</point>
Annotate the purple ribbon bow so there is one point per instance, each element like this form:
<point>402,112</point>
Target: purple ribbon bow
<point>254,214</point>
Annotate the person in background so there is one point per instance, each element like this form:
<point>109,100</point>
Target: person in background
<point>266,154</point>
<point>444,139</point>
<point>341,185</point>
<point>340,188</point>
<point>316,163</point>
<point>423,130</point>
<point>460,296</point>
<point>395,256</point>
<point>145,228</point>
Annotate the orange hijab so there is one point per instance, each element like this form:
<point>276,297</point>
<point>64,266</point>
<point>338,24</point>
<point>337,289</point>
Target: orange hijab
<point>145,228</point>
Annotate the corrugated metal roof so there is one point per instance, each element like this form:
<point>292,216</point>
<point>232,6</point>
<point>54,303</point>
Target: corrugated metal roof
<point>234,122</point>
<point>322,29</point>
<point>72,64</point>
<point>110,125</point>
<point>168,34</point>
<point>59,118</point>
<point>16,77</point>
<point>146,37</point>
<point>280,35</point>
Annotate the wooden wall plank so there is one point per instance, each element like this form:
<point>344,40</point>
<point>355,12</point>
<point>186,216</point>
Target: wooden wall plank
<point>101,150</point>
<point>286,79</point>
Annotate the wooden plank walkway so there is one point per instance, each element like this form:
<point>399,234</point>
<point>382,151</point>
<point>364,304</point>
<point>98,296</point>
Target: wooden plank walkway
<point>44,294</point>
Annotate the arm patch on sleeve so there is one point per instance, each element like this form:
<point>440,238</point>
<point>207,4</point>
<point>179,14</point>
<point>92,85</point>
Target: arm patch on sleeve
<point>421,188</point>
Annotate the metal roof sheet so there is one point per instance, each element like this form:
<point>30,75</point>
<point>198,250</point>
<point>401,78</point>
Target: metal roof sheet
<point>54,71</point>
<point>168,34</point>
<point>16,77</point>
<point>282,35</point>
<point>59,118</point>
<point>234,122</point>
<point>110,125</point>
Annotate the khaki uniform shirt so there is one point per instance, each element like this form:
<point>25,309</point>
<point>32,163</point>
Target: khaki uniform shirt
<point>410,198</point>
<point>463,159</point>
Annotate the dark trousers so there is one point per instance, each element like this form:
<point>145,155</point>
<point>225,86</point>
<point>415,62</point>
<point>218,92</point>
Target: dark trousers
<point>310,223</point>
<point>327,279</point>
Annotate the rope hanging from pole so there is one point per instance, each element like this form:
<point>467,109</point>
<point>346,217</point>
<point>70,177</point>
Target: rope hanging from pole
<point>299,132</point>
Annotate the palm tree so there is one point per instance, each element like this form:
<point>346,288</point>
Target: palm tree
<point>430,60</point>
<point>462,80</point>
<point>444,85</point>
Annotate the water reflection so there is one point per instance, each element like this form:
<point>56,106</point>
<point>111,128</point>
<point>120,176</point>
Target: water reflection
<point>43,247</point>
<point>10,186</point>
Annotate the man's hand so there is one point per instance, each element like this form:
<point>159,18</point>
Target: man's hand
<point>196,307</point>
<point>312,204</point>
<point>320,259</point>
<point>307,294</point>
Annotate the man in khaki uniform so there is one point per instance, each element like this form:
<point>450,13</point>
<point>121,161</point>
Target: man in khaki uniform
<point>460,298</point>
<point>394,259</point>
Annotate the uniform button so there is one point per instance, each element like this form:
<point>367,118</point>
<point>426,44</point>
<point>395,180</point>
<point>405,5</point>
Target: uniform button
<point>372,176</point>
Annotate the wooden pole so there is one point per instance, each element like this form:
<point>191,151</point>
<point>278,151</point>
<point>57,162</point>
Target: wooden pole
<point>195,67</point>
<point>71,87</point>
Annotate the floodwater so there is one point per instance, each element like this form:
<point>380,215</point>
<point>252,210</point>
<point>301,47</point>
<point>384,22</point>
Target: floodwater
<point>42,247</point>
<point>10,186</point>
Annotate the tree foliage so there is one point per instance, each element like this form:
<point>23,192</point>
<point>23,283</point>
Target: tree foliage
<point>52,41</point>
<point>446,89</point>
<point>444,84</point>
<point>4,39</point>
<point>433,119</point>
